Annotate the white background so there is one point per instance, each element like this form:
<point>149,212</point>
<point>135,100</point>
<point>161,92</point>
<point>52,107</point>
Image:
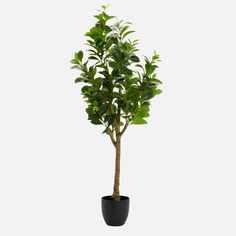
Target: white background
<point>179,170</point>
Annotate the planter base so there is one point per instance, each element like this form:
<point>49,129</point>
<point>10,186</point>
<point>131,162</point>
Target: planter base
<point>115,213</point>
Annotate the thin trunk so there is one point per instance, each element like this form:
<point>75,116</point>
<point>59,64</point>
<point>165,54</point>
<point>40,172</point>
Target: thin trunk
<point>116,192</point>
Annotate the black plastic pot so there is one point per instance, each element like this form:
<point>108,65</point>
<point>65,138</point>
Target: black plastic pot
<point>115,213</point>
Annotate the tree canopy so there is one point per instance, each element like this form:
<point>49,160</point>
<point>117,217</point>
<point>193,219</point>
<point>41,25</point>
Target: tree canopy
<point>115,83</point>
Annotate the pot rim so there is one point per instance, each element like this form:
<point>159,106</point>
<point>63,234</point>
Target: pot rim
<point>109,198</point>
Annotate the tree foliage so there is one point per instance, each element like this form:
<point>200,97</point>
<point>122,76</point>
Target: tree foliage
<point>116,86</point>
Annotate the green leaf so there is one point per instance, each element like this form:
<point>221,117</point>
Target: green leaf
<point>126,117</point>
<point>142,112</point>
<point>80,55</point>
<point>125,70</point>
<point>93,52</point>
<point>85,89</point>
<point>76,56</point>
<point>93,58</point>
<point>138,65</point>
<point>134,58</point>
<point>75,67</point>
<point>150,68</point>
<point>79,79</point>
<point>109,43</point>
<point>116,54</point>
<point>96,121</point>
<point>95,32</point>
<point>124,29</point>
<point>148,94</point>
<point>156,57</point>
<point>105,130</point>
<point>90,42</point>
<point>90,110</point>
<point>74,61</point>
<point>113,65</point>
<point>139,121</point>
<point>103,108</point>
<point>92,71</point>
<point>110,118</point>
<point>157,91</point>
<point>107,29</point>
<point>97,82</point>
<point>107,17</point>
<point>94,118</point>
<point>155,80</point>
<point>127,33</point>
<point>112,35</point>
<point>100,18</point>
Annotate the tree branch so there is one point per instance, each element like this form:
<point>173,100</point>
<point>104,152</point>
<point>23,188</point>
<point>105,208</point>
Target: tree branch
<point>110,132</point>
<point>125,127</point>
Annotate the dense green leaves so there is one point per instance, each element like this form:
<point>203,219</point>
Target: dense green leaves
<point>117,86</point>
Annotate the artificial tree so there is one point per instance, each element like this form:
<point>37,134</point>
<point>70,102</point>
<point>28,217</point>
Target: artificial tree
<point>118,88</point>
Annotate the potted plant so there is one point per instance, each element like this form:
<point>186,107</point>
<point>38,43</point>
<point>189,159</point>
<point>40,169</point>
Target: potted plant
<point>118,90</point>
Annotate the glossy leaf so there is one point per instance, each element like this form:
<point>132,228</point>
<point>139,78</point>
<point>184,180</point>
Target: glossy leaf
<point>80,55</point>
<point>139,121</point>
<point>142,112</point>
<point>134,58</point>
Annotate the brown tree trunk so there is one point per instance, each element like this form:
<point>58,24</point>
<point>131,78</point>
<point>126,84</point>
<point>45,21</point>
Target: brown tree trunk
<point>116,192</point>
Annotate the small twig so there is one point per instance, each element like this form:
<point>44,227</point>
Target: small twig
<point>125,127</point>
<point>110,132</point>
